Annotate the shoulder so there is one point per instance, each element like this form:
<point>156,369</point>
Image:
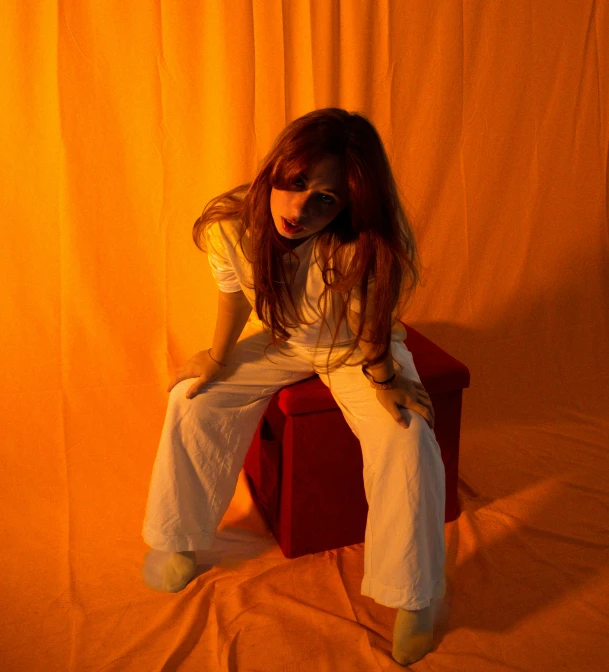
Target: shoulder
<point>224,233</point>
<point>224,228</point>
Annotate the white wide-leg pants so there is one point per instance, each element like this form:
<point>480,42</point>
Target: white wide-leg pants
<point>205,440</point>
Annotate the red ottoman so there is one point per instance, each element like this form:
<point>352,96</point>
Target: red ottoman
<point>305,467</point>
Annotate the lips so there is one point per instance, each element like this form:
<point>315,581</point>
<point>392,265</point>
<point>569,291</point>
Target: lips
<point>288,227</point>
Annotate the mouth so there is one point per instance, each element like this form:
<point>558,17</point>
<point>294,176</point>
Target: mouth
<point>288,227</point>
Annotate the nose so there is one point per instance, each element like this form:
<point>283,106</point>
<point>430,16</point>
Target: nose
<point>299,208</point>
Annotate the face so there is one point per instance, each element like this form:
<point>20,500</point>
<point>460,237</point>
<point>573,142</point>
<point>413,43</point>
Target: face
<point>309,203</point>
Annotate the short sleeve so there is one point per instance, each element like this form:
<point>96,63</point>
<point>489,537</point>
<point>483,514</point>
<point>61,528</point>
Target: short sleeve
<point>221,267</point>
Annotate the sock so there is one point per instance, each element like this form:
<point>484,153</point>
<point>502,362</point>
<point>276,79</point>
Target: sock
<point>167,571</point>
<point>413,634</point>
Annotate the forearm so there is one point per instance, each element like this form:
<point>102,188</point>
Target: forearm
<point>233,312</point>
<point>382,371</point>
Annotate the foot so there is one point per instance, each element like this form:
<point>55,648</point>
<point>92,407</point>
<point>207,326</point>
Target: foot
<point>412,634</point>
<point>169,572</point>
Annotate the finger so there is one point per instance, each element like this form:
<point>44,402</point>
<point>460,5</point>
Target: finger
<point>417,402</point>
<point>193,390</point>
<point>428,405</point>
<point>428,415</point>
<point>400,419</point>
<point>423,411</point>
<point>196,387</point>
<point>421,389</point>
<point>425,399</point>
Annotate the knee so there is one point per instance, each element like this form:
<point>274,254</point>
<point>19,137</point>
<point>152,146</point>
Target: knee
<point>417,437</point>
<point>177,396</point>
<point>422,438</point>
<point>179,389</point>
<point>416,423</point>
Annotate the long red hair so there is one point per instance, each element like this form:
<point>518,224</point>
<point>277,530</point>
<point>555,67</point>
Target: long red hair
<point>369,241</point>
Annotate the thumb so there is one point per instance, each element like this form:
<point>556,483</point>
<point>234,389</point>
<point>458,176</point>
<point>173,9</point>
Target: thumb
<point>402,421</point>
<point>194,389</point>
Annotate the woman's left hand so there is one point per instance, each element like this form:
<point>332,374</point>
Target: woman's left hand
<point>408,394</point>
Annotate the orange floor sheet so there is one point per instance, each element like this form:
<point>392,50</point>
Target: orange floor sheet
<point>527,567</point>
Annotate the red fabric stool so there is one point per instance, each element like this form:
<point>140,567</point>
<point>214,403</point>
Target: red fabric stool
<point>305,467</point>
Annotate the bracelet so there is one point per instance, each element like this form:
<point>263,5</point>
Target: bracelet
<point>388,384</point>
<point>214,360</point>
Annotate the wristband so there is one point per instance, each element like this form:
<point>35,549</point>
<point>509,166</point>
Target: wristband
<point>388,384</point>
<point>214,360</point>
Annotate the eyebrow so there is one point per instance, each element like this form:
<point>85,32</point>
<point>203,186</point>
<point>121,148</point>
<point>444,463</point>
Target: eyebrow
<point>330,191</point>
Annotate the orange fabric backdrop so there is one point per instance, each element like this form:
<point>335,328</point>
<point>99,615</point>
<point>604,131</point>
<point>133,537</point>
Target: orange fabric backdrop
<point>119,122</point>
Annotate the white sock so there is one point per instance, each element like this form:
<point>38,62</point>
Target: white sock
<point>168,571</point>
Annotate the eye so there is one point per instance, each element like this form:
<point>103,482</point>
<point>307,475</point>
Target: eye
<point>328,202</point>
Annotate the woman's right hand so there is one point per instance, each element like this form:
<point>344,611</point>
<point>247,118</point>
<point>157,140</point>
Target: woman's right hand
<point>200,366</point>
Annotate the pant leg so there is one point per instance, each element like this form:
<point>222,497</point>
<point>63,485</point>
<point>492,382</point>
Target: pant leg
<point>404,481</point>
<point>204,443</point>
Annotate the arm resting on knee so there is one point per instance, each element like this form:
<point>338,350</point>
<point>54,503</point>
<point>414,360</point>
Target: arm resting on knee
<point>233,312</point>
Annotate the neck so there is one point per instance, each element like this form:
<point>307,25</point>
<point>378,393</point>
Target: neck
<point>295,242</point>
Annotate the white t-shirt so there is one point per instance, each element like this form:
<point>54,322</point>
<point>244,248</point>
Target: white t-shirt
<point>233,272</point>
